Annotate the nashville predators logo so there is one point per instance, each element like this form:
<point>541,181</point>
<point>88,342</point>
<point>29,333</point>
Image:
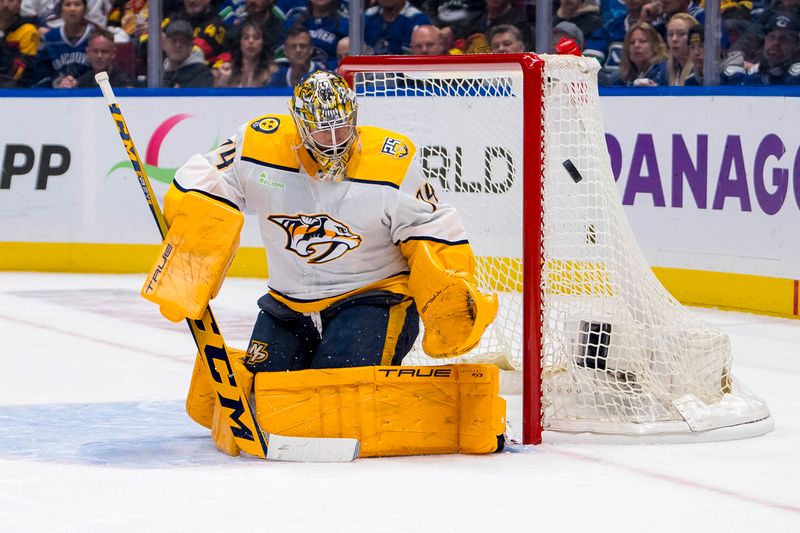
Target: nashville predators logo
<point>266,125</point>
<point>256,353</point>
<point>395,148</point>
<point>320,238</point>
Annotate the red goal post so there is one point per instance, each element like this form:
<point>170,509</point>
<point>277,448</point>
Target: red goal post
<point>516,143</point>
<point>530,66</point>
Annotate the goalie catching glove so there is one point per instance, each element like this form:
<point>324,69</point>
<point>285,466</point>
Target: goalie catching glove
<point>455,313</point>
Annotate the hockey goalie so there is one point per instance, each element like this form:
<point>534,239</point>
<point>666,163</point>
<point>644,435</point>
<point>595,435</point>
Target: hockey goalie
<point>359,250</point>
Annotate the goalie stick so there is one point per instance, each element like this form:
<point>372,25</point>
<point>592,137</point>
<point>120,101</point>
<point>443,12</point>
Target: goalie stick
<point>238,413</point>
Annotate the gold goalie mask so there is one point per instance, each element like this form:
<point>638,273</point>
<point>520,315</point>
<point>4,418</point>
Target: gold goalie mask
<point>324,109</point>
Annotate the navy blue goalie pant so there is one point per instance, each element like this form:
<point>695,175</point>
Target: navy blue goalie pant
<point>374,328</point>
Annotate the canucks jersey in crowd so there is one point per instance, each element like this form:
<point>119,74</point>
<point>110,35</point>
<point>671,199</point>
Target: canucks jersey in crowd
<point>392,37</point>
<point>59,57</point>
<point>325,32</point>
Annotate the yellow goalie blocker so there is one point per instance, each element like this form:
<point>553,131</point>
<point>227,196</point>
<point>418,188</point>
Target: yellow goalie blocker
<point>391,410</point>
<point>202,239</point>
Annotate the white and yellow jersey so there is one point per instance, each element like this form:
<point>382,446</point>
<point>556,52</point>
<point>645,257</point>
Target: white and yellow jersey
<point>326,240</point>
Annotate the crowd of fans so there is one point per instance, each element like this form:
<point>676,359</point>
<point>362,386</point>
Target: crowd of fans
<point>274,43</point>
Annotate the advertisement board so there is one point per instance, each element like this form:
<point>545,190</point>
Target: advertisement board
<point>711,184</point>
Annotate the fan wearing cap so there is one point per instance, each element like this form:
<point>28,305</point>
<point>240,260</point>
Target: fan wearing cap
<point>184,65</point>
<point>569,30</point>
<point>732,73</point>
<point>359,246</point>
<point>780,56</point>
<point>208,28</point>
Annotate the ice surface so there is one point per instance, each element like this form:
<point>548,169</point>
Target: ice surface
<point>93,437</point>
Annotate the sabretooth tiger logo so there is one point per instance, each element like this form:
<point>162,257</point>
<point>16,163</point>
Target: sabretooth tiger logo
<point>320,238</point>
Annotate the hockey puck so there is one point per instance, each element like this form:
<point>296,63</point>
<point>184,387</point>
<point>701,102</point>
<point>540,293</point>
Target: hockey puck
<point>576,176</point>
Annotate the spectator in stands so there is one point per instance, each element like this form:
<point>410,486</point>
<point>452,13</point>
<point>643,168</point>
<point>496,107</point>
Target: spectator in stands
<point>184,65</point>
<point>666,9</point>
<point>506,39</point>
<point>780,57</point>
<point>325,23</point>
<point>251,64</point>
<point>287,5</point>
<point>678,64</point>
<point>449,44</point>
<point>454,13</point>
<point>207,26</point>
<point>697,55</point>
<point>101,51</point>
<point>388,26</point>
<point>735,10</point>
<point>605,44</point>
<point>63,51</point>
<point>342,49</point>
<point>298,64</point>
<point>426,41</point>
<point>643,55</point>
<point>583,14</point>
<point>763,15</point>
<point>19,42</point>
<point>269,17</point>
<point>130,17</point>
<point>732,73</point>
<point>746,43</point>
<point>232,12</point>
<point>568,30</point>
<point>46,14</point>
<point>499,12</point>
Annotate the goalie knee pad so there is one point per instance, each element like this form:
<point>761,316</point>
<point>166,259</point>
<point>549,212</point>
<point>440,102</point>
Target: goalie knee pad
<point>392,410</point>
<point>195,255</point>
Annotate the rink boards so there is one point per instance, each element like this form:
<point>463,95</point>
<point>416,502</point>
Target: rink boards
<point>710,183</point>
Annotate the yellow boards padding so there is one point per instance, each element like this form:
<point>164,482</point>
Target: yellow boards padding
<point>392,410</point>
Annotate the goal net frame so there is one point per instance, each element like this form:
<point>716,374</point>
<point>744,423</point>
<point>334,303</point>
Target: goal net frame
<point>535,353</point>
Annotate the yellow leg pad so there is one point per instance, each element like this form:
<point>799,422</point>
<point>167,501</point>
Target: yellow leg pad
<point>392,410</point>
<point>201,397</point>
<point>194,258</point>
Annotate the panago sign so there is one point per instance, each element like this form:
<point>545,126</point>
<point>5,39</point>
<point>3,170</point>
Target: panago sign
<point>688,176</point>
<point>710,182</point>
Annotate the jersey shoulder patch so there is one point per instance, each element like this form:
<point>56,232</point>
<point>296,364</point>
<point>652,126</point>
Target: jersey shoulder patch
<point>269,140</point>
<point>384,158</point>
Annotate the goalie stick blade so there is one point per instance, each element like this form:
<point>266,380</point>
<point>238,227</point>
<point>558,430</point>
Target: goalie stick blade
<point>311,450</point>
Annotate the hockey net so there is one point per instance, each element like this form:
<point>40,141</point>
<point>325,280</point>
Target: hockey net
<point>584,328</point>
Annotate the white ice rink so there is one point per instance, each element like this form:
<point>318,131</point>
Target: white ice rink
<point>93,438</point>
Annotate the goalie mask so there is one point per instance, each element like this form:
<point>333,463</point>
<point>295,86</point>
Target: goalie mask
<point>324,110</point>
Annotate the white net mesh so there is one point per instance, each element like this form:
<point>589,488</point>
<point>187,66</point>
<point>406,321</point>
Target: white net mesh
<point>619,354</point>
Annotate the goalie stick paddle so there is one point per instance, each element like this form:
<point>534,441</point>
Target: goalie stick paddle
<point>238,413</point>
